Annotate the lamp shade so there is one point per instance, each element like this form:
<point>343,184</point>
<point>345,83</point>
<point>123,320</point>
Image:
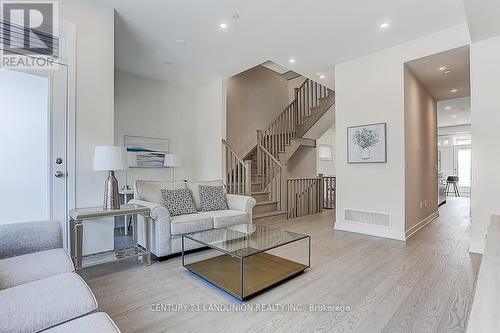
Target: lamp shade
<point>110,158</point>
<point>171,161</point>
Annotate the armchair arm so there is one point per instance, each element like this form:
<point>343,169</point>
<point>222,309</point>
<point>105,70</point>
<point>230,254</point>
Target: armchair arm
<point>157,211</point>
<point>28,237</point>
<point>240,202</point>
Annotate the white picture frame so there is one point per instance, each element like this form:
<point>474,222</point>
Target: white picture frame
<point>367,143</point>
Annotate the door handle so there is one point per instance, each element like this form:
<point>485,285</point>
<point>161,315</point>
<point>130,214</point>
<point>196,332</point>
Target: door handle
<point>59,174</point>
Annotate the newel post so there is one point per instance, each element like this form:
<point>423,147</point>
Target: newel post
<point>248,177</point>
<point>321,191</point>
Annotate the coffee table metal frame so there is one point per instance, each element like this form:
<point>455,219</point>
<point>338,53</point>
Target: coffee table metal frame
<point>241,296</point>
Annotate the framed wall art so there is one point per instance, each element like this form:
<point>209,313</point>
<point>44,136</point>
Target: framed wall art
<point>367,143</point>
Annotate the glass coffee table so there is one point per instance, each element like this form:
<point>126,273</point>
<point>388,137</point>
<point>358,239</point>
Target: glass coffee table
<point>248,258</point>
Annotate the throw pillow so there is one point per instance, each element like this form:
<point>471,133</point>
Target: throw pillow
<point>212,198</point>
<point>178,201</point>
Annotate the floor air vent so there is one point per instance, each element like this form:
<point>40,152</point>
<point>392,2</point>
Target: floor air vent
<point>359,216</point>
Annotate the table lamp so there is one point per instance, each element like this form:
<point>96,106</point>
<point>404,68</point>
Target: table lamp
<point>172,161</point>
<point>111,159</point>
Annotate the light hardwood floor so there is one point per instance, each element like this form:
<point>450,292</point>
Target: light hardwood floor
<point>423,285</point>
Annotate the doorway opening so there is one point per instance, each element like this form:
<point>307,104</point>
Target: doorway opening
<point>438,134</point>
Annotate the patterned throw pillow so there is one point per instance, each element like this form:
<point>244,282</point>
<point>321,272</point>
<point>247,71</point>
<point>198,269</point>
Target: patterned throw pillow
<point>178,202</point>
<point>212,198</point>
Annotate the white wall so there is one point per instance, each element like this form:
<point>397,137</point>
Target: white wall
<point>370,90</point>
<point>191,118</point>
<point>94,105</point>
<point>152,108</point>
<point>210,126</point>
<point>485,118</point>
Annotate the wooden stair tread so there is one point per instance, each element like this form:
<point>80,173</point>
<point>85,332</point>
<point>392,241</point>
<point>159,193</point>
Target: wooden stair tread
<point>268,214</point>
<point>267,202</point>
<point>260,192</point>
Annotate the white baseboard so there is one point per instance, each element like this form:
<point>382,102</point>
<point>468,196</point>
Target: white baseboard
<point>365,229</point>
<point>476,247</point>
<point>421,224</point>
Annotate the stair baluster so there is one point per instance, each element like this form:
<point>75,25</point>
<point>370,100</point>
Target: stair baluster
<point>238,172</point>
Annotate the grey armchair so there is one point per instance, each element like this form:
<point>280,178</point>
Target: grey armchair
<point>31,251</point>
<point>38,288</point>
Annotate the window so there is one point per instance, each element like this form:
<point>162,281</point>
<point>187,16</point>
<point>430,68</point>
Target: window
<point>326,152</point>
<point>455,140</point>
<point>444,141</point>
<point>464,139</point>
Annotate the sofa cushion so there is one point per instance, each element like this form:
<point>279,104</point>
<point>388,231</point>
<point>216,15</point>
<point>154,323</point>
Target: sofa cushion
<point>92,323</point>
<point>34,266</point>
<point>151,190</point>
<point>41,304</point>
<point>212,198</point>
<point>225,218</point>
<point>195,190</point>
<point>184,224</point>
<point>178,202</point>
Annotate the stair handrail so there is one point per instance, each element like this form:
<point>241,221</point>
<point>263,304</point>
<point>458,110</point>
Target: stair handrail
<point>278,117</point>
<point>265,151</point>
<point>238,173</point>
<point>232,151</point>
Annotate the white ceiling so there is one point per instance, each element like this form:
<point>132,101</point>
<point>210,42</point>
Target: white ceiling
<point>454,112</point>
<point>483,17</point>
<point>437,82</point>
<point>318,34</point>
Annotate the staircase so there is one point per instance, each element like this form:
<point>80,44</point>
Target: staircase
<point>262,172</point>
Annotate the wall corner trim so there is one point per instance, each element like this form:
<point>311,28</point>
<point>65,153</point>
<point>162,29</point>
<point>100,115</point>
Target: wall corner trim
<point>421,224</point>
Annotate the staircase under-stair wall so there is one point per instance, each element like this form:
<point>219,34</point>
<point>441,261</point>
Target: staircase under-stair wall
<point>261,173</point>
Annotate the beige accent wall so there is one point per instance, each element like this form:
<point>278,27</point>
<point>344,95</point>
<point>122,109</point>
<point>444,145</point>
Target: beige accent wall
<point>254,99</point>
<point>302,163</point>
<point>420,154</point>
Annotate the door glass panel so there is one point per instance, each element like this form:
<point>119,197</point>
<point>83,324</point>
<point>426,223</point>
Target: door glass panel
<point>24,134</point>
<point>464,167</point>
<point>462,140</point>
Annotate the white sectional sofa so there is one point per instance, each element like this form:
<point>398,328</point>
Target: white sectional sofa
<point>38,287</point>
<point>166,230</point>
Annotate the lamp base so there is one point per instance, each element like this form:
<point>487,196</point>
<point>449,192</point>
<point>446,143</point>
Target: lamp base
<point>111,195</point>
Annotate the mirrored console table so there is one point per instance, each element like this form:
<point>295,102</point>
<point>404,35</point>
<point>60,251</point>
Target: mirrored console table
<point>80,215</point>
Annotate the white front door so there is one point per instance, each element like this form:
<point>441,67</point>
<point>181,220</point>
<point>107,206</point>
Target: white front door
<point>33,133</point>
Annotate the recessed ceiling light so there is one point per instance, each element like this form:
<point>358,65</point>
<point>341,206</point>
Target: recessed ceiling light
<point>291,60</point>
<point>448,71</point>
<point>223,25</point>
<point>447,107</point>
<point>442,68</point>
<point>181,42</point>
<point>385,25</point>
<point>322,76</point>
<point>454,90</point>
<point>454,116</point>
